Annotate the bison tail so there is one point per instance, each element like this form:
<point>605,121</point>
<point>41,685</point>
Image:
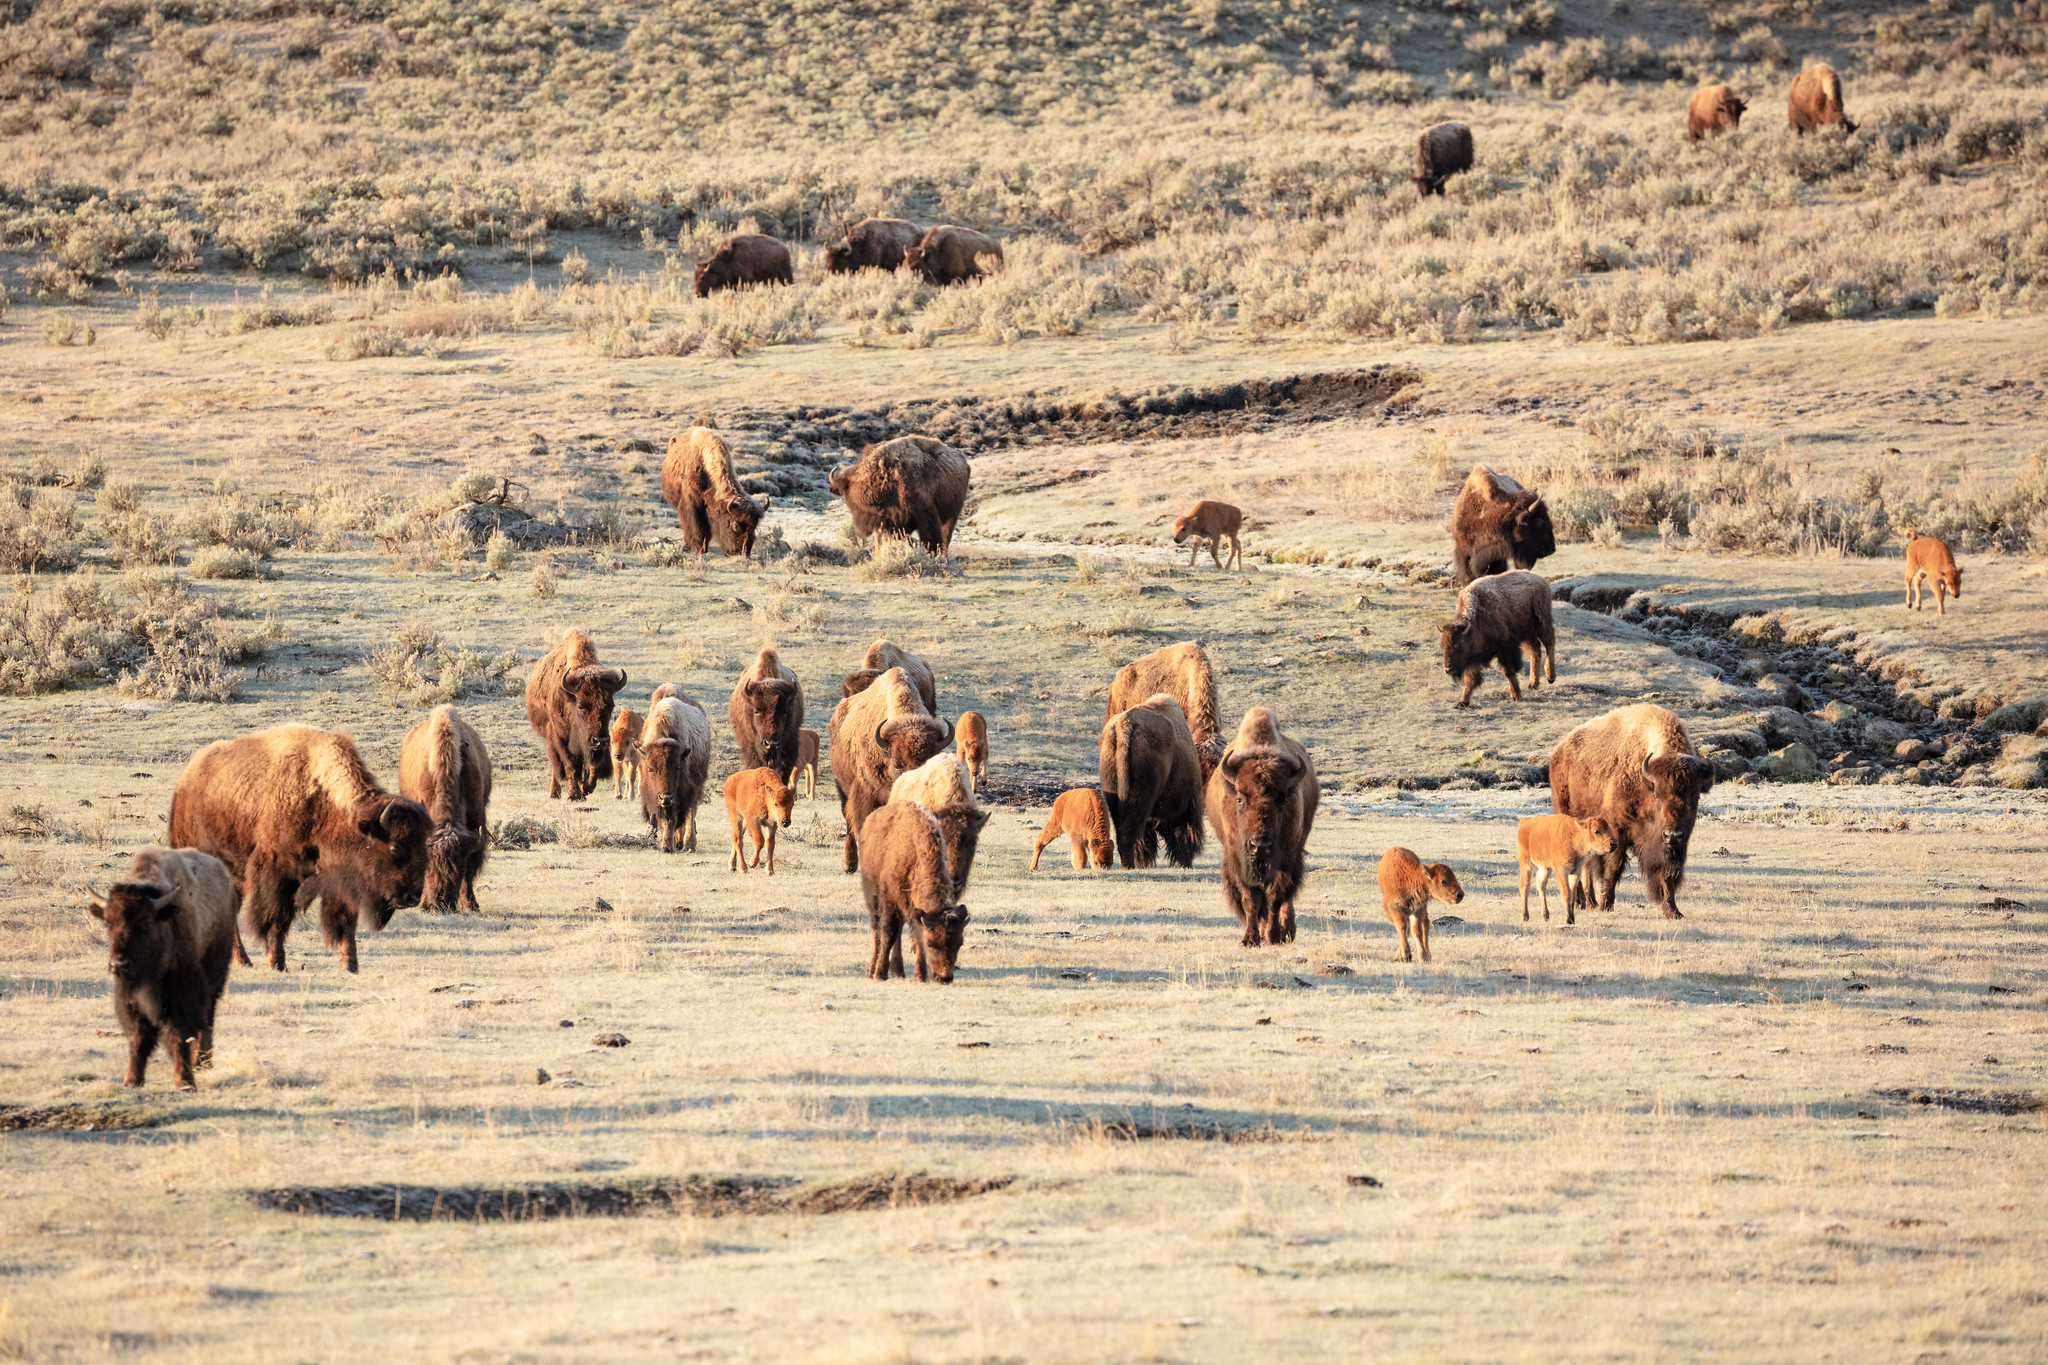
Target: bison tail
<point>1184,841</point>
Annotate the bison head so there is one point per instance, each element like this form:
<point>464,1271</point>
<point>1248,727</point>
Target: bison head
<point>1599,839</point>
<point>768,701</point>
<point>1183,527</point>
<point>840,478</point>
<point>135,914</point>
<point>858,681</point>
<point>1677,782</point>
<point>1531,533</point>
<point>941,933</point>
<point>661,782</point>
<point>1733,106</point>
<point>587,695</point>
<point>1460,646</point>
<point>839,259</point>
<point>715,271</point>
<point>908,741</point>
<point>735,530</point>
<point>451,850</point>
<point>1260,783</point>
<point>915,263</point>
<point>1443,883</point>
<point>389,868</point>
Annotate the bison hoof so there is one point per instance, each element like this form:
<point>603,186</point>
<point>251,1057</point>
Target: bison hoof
<point>1671,912</point>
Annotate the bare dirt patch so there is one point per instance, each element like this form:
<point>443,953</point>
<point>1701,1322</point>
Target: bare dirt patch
<point>74,1118</point>
<point>699,1196</point>
<point>1969,1101</point>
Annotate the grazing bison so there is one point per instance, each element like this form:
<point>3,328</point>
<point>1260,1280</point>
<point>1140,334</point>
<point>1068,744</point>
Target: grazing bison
<point>1405,888</point>
<point>697,480</point>
<point>973,731</point>
<point>807,762</point>
<point>1442,150</point>
<point>912,485</point>
<point>1498,617</point>
<point>1182,672</point>
<point>940,784</point>
<point>170,937</point>
<point>626,753</point>
<point>1210,524</point>
<point>1262,804</point>
<point>1497,525</point>
<point>569,705</point>
<point>1637,769</point>
<point>876,736</point>
<point>1714,109</point>
<point>872,244</point>
<point>1152,783</point>
<point>742,259</point>
<point>1816,100</point>
<point>904,878</point>
<point>1559,846</point>
<point>766,711</point>
<point>444,766</point>
<point>949,255</point>
<point>1928,561</point>
<point>756,801</point>
<point>675,761</point>
<point>1083,816</point>
<point>294,814</point>
<point>884,655</point>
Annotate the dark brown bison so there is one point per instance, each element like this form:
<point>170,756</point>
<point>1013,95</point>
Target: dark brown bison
<point>295,814</point>
<point>884,655</point>
<point>872,244</point>
<point>1498,617</point>
<point>569,705</point>
<point>1262,804</point>
<point>170,937</point>
<point>943,786</point>
<point>1497,525</point>
<point>766,711</point>
<point>1442,150</point>
<point>877,735</point>
<point>444,766</point>
<point>1816,100</point>
<point>1714,109</point>
<point>675,764</point>
<point>1637,769</point>
<point>860,680</point>
<point>911,486</point>
<point>904,879</point>
<point>742,259</point>
<point>697,480</point>
<point>1152,782</point>
<point>1182,672</point>
<point>949,255</point>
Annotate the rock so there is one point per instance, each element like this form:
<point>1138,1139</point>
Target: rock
<point>1782,725</point>
<point>636,446</point>
<point>477,520</point>
<point>1853,777</point>
<point>1726,763</point>
<point>1783,691</point>
<point>610,1040</point>
<point>1912,750</point>
<point>1747,742</point>
<point>1793,763</point>
<point>1839,713</point>
<point>1881,732</point>
<point>2016,716</point>
<point>1337,969</point>
<point>1911,707</point>
<point>1370,1182</point>
<point>1977,776</point>
<point>1904,777</point>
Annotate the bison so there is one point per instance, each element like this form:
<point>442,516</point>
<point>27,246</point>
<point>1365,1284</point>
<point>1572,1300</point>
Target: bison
<point>675,762</point>
<point>569,705</point>
<point>742,259</point>
<point>940,784</point>
<point>757,802</point>
<point>807,762</point>
<point>904,878</point>
<point>444,766</point>
<point>951,255</point>
<point>697,480</point>
<point>884,655</point>
<point>872,244</point>
<point>860,680</point>
<point>1083,816</point>
<point>1558,846</point>
<point>912,485</point>
<point>1637,769</point>
<point>1152,783</point>
<point>767,711</point>
<point>295,814</point>
<point>1929,561</point>
<point>1714,109</point>
<point>1262,800</point>
<point>170,937</point>
<point>1181,671</point>
<point>1498,617</point>
<point>876,736</point>
<point>1816,100</point>
<point>1497,525</point>
<point>973,731</point>
<point>1442,150</point>
<point>1210,524</point>
<point>1406,886</point>
<point>626,753</point>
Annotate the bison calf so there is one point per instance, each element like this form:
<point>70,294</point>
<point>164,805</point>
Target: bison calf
<point>1083,816</point>
<point>170,937</point>
<point>807,762</point>
<point>626,754</point>
<point>904,879</point>
<point>1406,886</point>
<point>972,732</point>
<point>757,802</point>
<point>1499,617</point>
<point>1209,524</point>
<point>1929,562</point>
<point>1558,846</point>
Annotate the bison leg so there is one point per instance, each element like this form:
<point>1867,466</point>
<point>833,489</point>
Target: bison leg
<point>1401,918</point>
<point>1046,836</point>
<point>1511,668</point>
<point>181,1051</point>
<point>1254,916</point>
<point>1611,868</point>
<point>1215,551</point>
<point>271,903</point>
<point>1471,685</point>
<point>241,953</point>
<point>1077,850</point>
<point>1283,921</point>
<point>1422,930</point>
<point>1940,597</point>
<point>1526,869</point>
<point>338,927</point>
<point>771,849</point>
<point>1661,881</point>
<point>141,1042</point>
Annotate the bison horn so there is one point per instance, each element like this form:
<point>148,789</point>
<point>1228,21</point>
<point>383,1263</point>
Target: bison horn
<point>881,743</point>
<point>384,818</point>
<point>949,735</point>
<point>157,903</point>
<point>1230,763</point>
<point>98,899</point>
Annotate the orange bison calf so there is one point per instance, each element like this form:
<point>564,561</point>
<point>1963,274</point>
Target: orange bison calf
<point>904,879</point>
<point>1210,524</point>
<point>972,731</point>
<point>170,937</point>
<point>1498,617</point>
<point>757,802</point>
<point>1558,846</point>
<point>626,753</point>
<point>807,762</point>
<point>1928,561</point>
<point>1406,886</point>
<point>1083,816</point>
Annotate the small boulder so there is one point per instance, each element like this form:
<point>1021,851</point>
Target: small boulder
<point>1793,763</point>
<point>1783,691</point>
<point>1860,776</point>
<point>1839,713</point>
<point>1913,750</point>
<point>1882,733</point>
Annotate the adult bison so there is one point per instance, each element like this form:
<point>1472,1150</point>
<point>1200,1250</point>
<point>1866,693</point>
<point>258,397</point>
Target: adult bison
<point>1816,100</point>
<point>170,937</point>
<point>1182,672</point>
<point>872,244</point>
<point>1498,617</point>
<point>950,255</point>
<point>1442,150</point>
<point>742,259</point>
<point>766,711</point>
<point>569,705</point>
<point>697,480</point>
<point>675,764</point>
<point>1497,525</point>
<point>911,486</point>
<point>1637,769</point>
<point>877,735</point>
<point>1713,109</point>
<point>1261,801</point>
<point>444,766</point>
<point>884,655</point>
<point>905,881</point>
<point>942,786</point>
<point>294,814</point>
<point>1152,782</point>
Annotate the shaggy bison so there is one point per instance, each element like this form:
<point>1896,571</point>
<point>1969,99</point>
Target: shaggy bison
<point>569,705</point>
<point>1442,150</point>
<point>872,244</point>
<point>911,486</point>
<point>697,480</point>
<point>1928,561</point>
<point>1637,769</point>
<point>940,784</point>
<point>1559,846</point>
<point>1262,804</point>
<point>1152,783</point>
<point>876,736</point>
<point>295,814</point>
<point>170,937</point>
<point>1406,886</point>
<point>675,762</point>
<point>1498,617</point>
<point>1816,100</point>
<point>767,711</point>
<point>1497,525</point>
<point>884,655</point>
<point>949,255</point>
<point>757,802</point>
<point>1083,816</point>
<point>904,878</point>
<point>444,766</point>
<point>1182,672</point>
<point>1713,109</point>
<point>742,259</point>
<point>973,732</point>
<point>1210,524</point>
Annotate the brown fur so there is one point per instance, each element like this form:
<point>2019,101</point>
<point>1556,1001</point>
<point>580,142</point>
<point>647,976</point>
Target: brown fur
<point>884,655</point>
<point>170,936</point>
<point>675,763</point>
<point>1406,886</point>
<point>1816,100</point>
<point>876,736</point>
<point>1637,769</point>
<point>756,801</point>
<point>1442,150</point>
<point>1929,561</point>
<point>941,785</point>
<point>1498,617</point>
<point>1713,109</point>
<point>1211,523</point>
<point>807,762</point>
<point>626,753</point>
<point>911,486</point>
<point>444,766</point>
<point>860,680</point>
<point>1557,846</point>
<point>1083,816</point>
<point>697,480</point>
<point>569,705</point>
<point>1152,783</point>
<point>872,244</point>
<point>766,711</point>
<point>949,255</point>
<point>294,814</point>
<point>1497,525</point>
<point>903,878</point>
<point>1262,801</point>
<point>973,732</point>
<point>742,259</point>
<point>1182,672</point>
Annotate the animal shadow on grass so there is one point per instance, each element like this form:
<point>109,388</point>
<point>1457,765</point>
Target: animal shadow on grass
<point>1039,1118</point>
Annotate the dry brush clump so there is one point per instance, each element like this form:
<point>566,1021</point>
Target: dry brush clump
<point>150,637</point>
<point>417,667</point>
